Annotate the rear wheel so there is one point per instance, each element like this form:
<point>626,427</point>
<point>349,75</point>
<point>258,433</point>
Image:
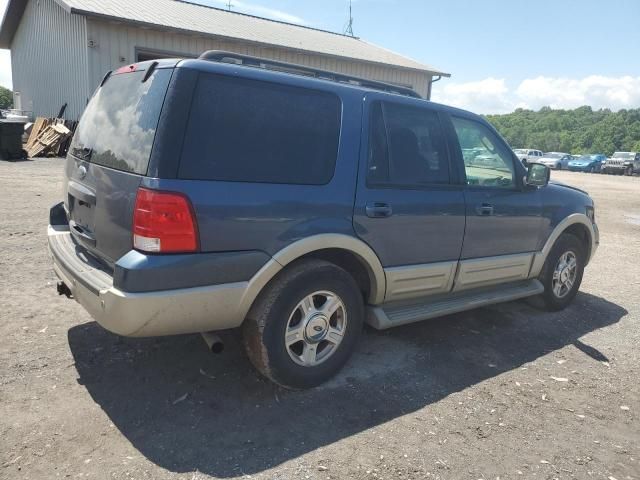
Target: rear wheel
<point>562,272</point>
<point>305,325</point>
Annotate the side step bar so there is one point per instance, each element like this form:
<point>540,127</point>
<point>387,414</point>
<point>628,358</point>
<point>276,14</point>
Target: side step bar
<point>393,315</point>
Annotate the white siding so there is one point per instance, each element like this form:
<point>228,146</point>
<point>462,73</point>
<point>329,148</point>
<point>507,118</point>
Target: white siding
<point>116,45</point>
<point>49,60</point>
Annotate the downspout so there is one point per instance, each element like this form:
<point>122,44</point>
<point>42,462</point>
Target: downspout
<point>430,85</point>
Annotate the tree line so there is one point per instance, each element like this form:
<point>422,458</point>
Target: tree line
<point>6,97</point>
<point>582,130</point>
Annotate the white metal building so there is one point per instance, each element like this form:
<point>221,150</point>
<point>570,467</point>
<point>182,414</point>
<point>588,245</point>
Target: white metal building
<point>61,49</point>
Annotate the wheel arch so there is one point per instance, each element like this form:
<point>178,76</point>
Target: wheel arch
<point>343,250</point>
<point>577,224</point>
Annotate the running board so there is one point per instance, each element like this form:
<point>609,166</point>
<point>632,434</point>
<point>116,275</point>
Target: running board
<point>392,315</point>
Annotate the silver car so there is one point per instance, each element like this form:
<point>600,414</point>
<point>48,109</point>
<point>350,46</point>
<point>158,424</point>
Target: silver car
<point>555,160</point>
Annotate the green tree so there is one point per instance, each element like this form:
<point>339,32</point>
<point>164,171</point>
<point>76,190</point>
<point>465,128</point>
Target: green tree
<point>6,97</point>
<point>582,130</point>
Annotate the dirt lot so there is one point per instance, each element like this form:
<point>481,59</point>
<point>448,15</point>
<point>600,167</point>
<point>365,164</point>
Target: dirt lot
<point>502,392</point>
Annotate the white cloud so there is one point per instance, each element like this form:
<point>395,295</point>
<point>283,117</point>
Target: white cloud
<point>5,68</point>
<point>255,9</point>
<point>595,90</point>
<point>5,59</point>
<point>490,94</point>
<point>493,95</point>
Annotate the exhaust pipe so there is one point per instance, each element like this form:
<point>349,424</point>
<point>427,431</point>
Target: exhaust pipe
<point>213,341</point>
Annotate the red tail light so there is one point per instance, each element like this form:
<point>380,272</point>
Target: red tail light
<point>164,222</point>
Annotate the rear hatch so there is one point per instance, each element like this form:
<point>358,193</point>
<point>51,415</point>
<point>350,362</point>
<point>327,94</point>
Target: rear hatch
<point>109,156</point>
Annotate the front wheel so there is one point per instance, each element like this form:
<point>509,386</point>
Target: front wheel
<point>304,327</point>
<point>629,171</point>
<point>562,272</point>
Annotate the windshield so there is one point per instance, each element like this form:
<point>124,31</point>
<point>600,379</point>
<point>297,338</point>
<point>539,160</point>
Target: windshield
<point>553,155</point>
<point>119,124</point>
<point>520,151</point>
<point>622,155</point>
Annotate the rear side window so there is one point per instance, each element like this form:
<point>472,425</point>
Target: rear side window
<point>119,124</point>
<point>406,147</point>
<point>250,131</point>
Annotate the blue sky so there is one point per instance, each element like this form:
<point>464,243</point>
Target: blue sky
<point>501,53</point>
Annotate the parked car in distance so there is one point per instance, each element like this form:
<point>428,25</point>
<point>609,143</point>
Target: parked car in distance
<point>555,160</point>
<point>526,155</point>
<point>297,208</point>
<point>626,163</point>
<point>587,163</point>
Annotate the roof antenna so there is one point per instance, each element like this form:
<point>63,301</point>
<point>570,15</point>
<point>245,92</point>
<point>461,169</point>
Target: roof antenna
<point>349,29</point>
<point>229,5</point>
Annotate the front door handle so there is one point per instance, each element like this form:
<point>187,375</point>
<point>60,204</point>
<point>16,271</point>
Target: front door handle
<point>485,210</point>
<point>379,210</point>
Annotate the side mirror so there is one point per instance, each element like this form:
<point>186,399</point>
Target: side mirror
<point>537,175</point>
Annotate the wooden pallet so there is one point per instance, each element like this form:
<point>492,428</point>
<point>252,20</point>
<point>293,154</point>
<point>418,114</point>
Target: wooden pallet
<point>38,127</point>
<point>48,140</point>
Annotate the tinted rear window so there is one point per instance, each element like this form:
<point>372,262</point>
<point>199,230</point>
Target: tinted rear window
<point>252,131</point>
<point>406,147</point>
<point>119,124</point>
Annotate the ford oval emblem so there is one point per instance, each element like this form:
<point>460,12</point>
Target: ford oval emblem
<point>82,172</point>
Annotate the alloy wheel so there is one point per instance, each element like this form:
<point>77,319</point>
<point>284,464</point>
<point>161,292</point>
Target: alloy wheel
<point>316,328</point>
<point>564,274</point>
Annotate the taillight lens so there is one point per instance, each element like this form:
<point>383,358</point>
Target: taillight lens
<point>164,222</point>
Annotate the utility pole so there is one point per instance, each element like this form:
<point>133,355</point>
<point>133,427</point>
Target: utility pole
<point>229,5</point>
<point>349,29</point>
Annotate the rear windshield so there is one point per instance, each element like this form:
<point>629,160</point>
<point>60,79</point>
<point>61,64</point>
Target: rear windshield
<point>252,131</point>
<point>119,124</point>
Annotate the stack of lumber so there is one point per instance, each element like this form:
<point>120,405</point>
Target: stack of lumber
<point>49,137</point>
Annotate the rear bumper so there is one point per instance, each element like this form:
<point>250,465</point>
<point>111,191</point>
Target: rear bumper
<point>163,312</point>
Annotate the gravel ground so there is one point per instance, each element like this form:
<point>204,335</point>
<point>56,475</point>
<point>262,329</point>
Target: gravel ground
<point>502,392</point>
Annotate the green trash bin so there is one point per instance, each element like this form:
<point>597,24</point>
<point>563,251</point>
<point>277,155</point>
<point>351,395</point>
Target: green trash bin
<point>11,139</point>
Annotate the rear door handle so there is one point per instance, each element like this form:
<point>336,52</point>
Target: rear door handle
<point>379,210</point>
<point>485,210</point>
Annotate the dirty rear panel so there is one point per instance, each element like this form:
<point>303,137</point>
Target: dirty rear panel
<point>110,154</point>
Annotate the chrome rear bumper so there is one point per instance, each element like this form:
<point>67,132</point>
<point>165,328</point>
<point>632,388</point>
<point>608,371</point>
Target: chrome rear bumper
<point>168,312</point>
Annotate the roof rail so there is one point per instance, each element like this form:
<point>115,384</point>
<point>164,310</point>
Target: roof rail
<point>267,64</point>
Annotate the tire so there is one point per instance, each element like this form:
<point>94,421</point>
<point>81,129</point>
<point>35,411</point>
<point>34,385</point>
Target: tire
<point>280,308</point>
<point>629,171</point>
<point>566,247</point>
<point>592,169</point>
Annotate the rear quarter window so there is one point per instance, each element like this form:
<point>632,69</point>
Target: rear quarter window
<point>244,130</point>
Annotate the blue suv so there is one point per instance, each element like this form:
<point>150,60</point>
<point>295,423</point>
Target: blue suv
<point>232,192</point>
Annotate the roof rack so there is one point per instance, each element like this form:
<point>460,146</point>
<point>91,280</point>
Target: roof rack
<point>267,64</point>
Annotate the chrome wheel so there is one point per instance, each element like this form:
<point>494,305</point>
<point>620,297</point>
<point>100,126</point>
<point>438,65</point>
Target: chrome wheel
<point>564,275</point>
<point>316,328</point>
